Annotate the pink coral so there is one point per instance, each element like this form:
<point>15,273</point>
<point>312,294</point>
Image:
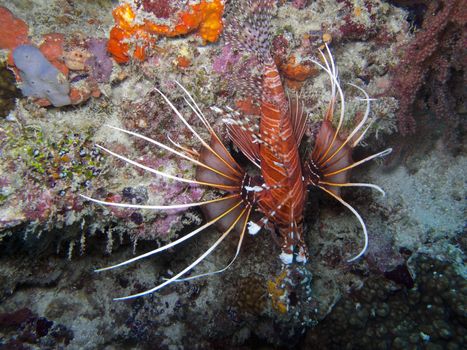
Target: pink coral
<point>353,28</point>
<point>226,59</point>
<point>160,8</point>
<point>39,204</point>
<point>300,4</point>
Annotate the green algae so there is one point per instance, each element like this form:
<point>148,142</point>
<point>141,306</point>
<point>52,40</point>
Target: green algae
<point>70,159</point>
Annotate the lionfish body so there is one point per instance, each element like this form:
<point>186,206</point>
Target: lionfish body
<point>279,194</point>
<point>281,127</point>
<point>281,169</point>
<point>285,195</point>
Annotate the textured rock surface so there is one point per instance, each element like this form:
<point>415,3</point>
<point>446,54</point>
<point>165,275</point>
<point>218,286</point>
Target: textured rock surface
<point>383,315</point>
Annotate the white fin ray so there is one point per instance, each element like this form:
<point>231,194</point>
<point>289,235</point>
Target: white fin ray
<point>191,266</point>
<point>353,165</point>
<point>170,149</point>
<point>180,116</point>
<point>362,135</point>
<point>159,207</point>
<point>353,184</point>
<point>356,129</point>
<point>362,223</point>
<point>189,151</point>
<point>160,173</point>
<point>171,244</point>
<point>237,252</point>
<point>332,72</point>
<point>194,106</point>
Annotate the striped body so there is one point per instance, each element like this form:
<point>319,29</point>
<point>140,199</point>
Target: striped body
<point>280,164</point>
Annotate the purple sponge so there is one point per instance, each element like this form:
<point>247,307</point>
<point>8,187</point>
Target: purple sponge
<point>40,78</point>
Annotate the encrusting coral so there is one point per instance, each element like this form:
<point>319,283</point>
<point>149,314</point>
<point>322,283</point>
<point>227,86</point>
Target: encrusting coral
<point>14,31</point>
<point>82,64</point>
<point>140,25</point>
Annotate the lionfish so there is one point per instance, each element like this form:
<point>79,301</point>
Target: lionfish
<point>279,193</point>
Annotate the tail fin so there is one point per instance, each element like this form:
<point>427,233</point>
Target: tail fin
<point>249,29</point>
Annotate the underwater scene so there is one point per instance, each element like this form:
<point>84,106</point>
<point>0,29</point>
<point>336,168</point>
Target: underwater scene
<point>233,174</point>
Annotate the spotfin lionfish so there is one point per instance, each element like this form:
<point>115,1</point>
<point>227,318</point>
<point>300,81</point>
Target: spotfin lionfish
<point>279,193</point>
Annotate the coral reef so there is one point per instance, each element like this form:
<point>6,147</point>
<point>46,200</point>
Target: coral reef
<point>24,329</point>
<point>51,240</point>
<point>384,315</point>
<point>81,70</point>
<point>251,295</point>
<point>54,171</point>
<point>430,64</point>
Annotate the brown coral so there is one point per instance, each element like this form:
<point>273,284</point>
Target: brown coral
<point>298,71</point>
<point>76,59</point>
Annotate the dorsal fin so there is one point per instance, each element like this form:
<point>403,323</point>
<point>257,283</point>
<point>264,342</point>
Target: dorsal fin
<point>249,28</point>
<point>297,118</point>
<point>243,139</point>
<point>242,132</point>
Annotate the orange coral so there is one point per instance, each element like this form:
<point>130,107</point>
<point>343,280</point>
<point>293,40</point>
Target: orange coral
<point>83,91</point>
<point>297,71</point>
<point>183,62</point>
<point>13,31</point>
<point>52,49</point>
<point>205,16</point>
<point>116,46</point>
<point>277,293</point>
<point>76,58</point>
